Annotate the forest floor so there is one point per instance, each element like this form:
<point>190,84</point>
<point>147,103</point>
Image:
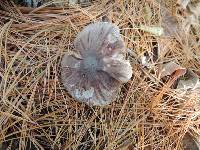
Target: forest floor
<point>159,108</point>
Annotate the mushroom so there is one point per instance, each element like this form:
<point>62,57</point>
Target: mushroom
<point>96,76</point>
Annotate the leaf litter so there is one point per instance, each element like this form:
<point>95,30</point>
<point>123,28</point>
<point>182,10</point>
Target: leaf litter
<point>39,111</point>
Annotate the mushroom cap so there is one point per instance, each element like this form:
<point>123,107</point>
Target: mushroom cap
<point>96,77</point>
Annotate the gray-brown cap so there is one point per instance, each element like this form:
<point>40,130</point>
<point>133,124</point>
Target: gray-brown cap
<point>95,78</point>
